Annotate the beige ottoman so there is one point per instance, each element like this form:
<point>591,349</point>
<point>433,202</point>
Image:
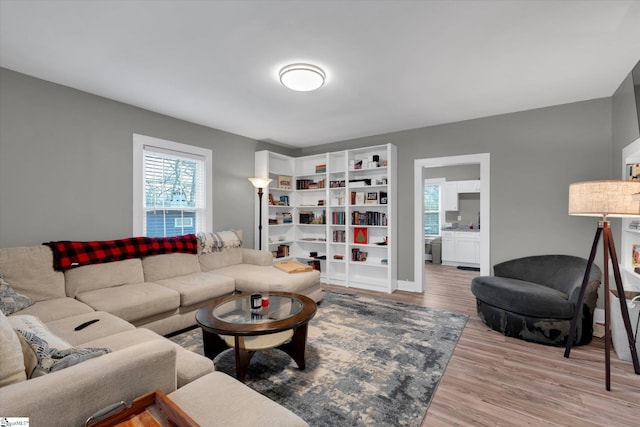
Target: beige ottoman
<point>220,400</point>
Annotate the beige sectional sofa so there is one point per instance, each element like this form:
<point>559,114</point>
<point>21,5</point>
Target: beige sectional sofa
<point>137,301</point>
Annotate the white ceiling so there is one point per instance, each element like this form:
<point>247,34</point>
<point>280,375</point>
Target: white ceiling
<point>391,65</point>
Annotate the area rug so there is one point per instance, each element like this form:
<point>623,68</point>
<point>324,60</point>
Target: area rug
<point>368,362</point>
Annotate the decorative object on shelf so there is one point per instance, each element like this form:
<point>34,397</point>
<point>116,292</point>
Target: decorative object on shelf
<point>302,77</point>
<point>260,184</point>
<point>360,235</point>
<point>284,182</point>
<point>605,199</point>
<point>633,171</point>
<point>321,168</point>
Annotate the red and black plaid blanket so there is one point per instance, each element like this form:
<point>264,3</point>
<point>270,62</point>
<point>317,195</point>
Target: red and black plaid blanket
<point>68,254</point>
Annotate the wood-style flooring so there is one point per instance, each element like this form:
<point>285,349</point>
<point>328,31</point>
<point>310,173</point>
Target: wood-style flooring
<point>492,380</point>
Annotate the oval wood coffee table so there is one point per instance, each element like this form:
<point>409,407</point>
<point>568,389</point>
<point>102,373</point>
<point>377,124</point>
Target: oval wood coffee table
<point>229,322</point>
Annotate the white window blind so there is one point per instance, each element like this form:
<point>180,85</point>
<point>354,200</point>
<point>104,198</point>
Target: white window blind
<point>432,209</point>
<point>172,194</point>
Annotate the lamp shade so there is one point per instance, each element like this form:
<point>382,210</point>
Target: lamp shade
<point>604,198</point>
<point>260,182</point>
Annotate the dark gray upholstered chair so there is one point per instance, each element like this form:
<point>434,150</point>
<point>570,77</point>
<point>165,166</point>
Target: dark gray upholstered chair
<point>534,298</point>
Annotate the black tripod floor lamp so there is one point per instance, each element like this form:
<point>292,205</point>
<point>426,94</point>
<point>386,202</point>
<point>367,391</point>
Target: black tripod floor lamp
<point>260,184</point>
<point>605,199</point>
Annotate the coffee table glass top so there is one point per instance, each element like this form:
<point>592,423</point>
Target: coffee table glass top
<point>238,311</point>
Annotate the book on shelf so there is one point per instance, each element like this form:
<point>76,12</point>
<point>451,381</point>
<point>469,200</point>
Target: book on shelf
<point>309,184</point>
<point>368,218</point>
<point>321,168</point>
<point>283,251</point>
<point>339,236</point>
<point>358,256</point>
<point>282,218</point>
<point>360,235</point>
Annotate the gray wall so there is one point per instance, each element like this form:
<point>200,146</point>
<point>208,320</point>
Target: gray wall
<point>535,155</point>
<point>65,167</point>
<point>66,164</point>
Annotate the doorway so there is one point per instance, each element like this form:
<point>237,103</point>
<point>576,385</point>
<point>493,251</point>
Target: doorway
<point>483,159</point>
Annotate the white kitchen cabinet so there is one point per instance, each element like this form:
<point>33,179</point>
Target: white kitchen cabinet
<point>461,248</point>
<point>467,247</point>
<point>450,194</point>
<point>469,186</point>
<point>452,190</point>
<point>448,250</point>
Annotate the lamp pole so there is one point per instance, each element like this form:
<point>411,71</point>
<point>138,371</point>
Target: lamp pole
<point>260,184</point>
<point>260,218</point>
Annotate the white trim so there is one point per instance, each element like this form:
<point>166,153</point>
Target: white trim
<point>484,159</point>
<point>139,141</point>
<point>406,285</point>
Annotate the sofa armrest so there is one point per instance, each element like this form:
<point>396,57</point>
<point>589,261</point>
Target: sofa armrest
<point>69,396</point>
<point>257,257</point>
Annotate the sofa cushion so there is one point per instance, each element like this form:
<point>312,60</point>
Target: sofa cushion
<point>133,302</point>
<point>216,260</point>
<point>12,301</point>
<point>57,308</point>
<point>199,287</point>
<point>32,325</point>
<point>189,365</point>
<point>256,278</point>
<point>98,276</point>
<point>30,272</point>
<point>160,267</point>
<point>219,397</point>
<point>12,369</point>
<point>51,359</point>
<point>107,325</point>
<point>519,296</point>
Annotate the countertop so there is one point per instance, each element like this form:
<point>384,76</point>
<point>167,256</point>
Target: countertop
<point>472,230</point>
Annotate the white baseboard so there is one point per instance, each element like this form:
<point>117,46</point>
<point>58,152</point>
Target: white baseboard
<point>598,315</point>
<point>408,285</point>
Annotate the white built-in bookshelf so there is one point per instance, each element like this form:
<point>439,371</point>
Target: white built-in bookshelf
<point>339,213</point>
<point>630,239</point>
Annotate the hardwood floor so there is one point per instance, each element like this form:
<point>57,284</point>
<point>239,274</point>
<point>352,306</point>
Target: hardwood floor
<point>492,380</point>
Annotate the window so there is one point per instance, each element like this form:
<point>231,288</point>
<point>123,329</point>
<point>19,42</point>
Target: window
<point>431,209</point>
<point>171,190</point>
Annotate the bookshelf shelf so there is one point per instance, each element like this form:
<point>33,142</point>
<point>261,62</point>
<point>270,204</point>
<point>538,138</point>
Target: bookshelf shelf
<point>367,173</point>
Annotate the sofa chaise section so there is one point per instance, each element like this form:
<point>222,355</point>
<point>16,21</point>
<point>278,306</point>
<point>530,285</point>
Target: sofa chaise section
<point>69,396</point>
<point>253,271</point>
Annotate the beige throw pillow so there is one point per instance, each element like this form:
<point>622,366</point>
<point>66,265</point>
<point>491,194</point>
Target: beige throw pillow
<point>11,358</point>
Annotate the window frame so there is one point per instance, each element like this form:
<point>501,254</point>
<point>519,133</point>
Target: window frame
<point>428,182</point>
<point>177,148</point>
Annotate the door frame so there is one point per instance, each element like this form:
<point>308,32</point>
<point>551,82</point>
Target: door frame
<point>484,160</point>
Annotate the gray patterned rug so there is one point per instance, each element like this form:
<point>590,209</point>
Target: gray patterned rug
<point>369,362</point>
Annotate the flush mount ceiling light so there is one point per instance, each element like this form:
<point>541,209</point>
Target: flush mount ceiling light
<point>302,77</point>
